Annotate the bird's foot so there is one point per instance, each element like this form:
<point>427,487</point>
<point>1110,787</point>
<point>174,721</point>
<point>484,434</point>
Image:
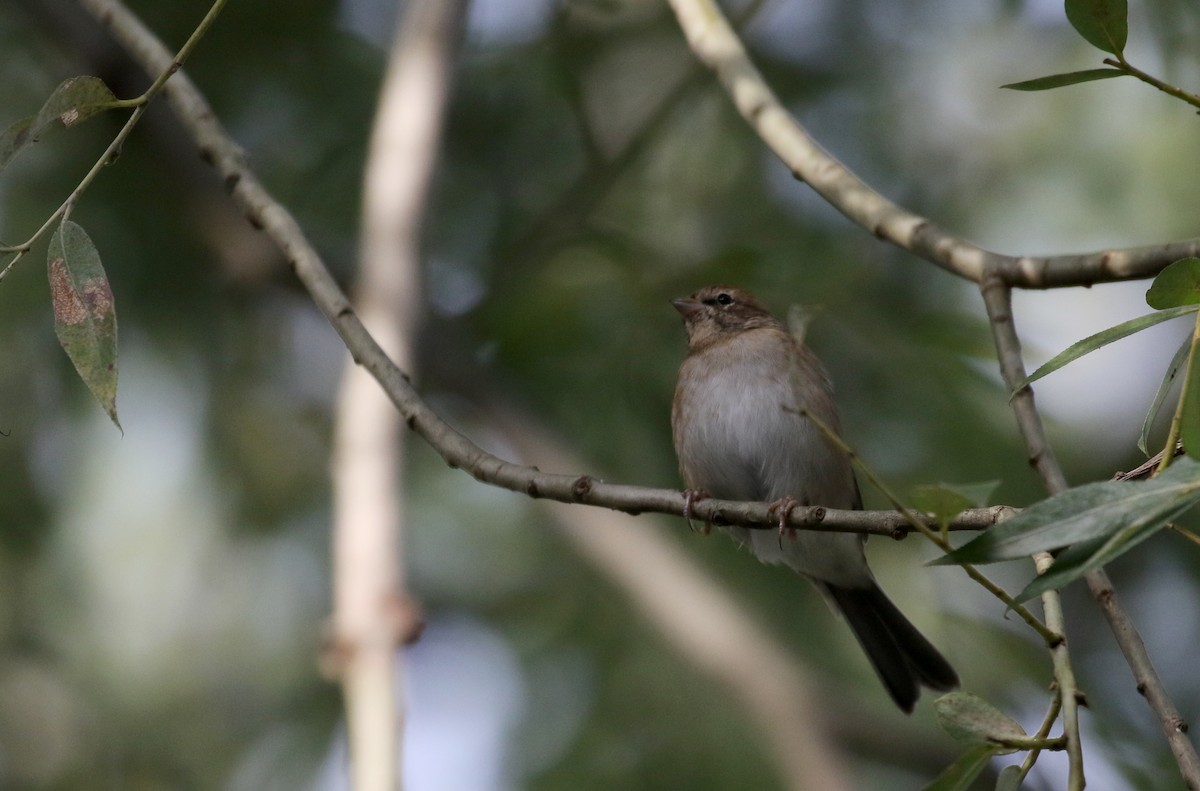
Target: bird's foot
<point>690,498</point>
<point>783,508</point>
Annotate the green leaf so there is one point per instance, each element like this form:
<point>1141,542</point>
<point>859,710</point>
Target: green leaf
<point>1189,416</point>
<point>1164,387</point>
<point>71,103</point>
<point>85,318</point>
<point>1083,558</point>
<point>1091,511</point>
<point>1062,80</point>
<point>1102,23</point>
<point>959,775</point>
<point>939,500</point>
<point>971,719</point>
<point>946,501</point>
<point>1105,337</point>
<point>1009,779</point>
<point>1178,284</point>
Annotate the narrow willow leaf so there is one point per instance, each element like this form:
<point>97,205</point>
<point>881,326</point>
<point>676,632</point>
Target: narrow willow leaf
<point>1063,80</point>
<point>959,775</point>
<point>1189,415</point>
<point>1084,558</point>
<point>1091,511</point>
<point>971,719</point>
<point>1105,337</point>
<point>1164,387</point>
<point>72,102</point>
<point>85,317</point>
<point>1103,23</point>
<point>1178,284</point>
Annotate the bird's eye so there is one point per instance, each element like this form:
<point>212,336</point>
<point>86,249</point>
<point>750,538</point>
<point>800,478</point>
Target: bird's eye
<point>724,299</point>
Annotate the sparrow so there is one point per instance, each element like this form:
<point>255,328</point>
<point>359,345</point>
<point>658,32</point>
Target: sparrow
<point>739,435</point>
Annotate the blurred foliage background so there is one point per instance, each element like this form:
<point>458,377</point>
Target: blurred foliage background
<point>162,593</point>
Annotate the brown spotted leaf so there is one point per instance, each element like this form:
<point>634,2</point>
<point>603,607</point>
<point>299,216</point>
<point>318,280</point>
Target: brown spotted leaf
<point>85,317</point>
<point>72,102</point>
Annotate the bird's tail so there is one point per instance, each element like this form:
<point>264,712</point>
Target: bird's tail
<point>900,654</point>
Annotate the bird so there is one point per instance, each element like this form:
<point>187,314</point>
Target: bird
<point>741,432</point>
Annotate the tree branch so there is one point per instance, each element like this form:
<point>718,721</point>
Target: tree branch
<point>716,44</point>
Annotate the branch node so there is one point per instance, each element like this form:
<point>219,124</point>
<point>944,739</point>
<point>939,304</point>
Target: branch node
<point>582,487</point>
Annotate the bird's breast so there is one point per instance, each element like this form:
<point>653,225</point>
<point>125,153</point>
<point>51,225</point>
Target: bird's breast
<point>739,433</point>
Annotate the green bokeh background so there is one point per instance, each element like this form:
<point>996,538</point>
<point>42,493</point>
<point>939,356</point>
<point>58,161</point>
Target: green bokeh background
<point>162,593</point>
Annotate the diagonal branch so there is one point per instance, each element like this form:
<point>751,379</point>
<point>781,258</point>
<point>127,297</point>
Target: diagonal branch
<point>716,43</point>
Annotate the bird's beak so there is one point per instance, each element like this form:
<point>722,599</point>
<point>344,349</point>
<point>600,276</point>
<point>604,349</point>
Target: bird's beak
<point>686,306</point>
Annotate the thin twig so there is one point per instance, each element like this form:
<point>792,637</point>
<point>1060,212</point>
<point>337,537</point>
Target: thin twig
<point>1167,88</point>
<point>1174,727</point>
<point>1042,732</point>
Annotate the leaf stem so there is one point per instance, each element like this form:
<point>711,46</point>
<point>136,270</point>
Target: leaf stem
<point>1171,90</point>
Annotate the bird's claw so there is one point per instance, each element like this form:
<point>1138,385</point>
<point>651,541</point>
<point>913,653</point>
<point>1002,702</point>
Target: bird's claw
<point>690,498</point>
<point>784,508</point>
